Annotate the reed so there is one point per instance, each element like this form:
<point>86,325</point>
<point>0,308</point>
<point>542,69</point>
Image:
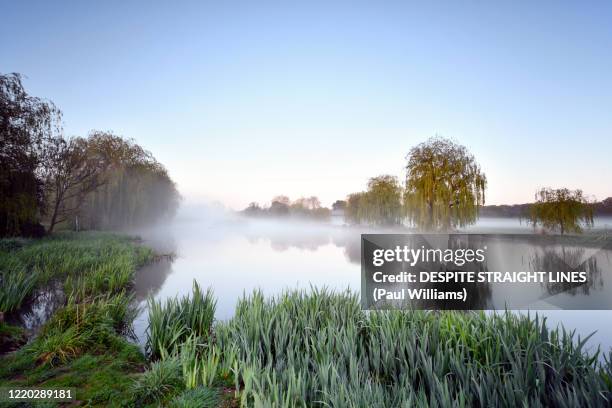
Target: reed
<point>175,320</point>
<point>15,285</point>
<point>90,264</point>
<point>320,349</point>
<point>83,343</point>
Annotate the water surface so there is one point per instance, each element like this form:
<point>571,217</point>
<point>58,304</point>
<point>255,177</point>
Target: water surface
<point>235,255</point>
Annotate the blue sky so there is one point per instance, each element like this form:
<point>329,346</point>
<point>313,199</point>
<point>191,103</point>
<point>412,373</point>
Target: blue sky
<point>246,100</point>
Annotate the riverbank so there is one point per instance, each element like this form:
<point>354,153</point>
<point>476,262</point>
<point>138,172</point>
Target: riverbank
<point>299,348</point>
<point>83,344</point>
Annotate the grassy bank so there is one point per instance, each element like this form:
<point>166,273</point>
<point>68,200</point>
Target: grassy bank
<point>315,348</point>
<point>82,345</point>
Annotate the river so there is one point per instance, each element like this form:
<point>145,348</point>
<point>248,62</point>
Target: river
<point>236,255</point>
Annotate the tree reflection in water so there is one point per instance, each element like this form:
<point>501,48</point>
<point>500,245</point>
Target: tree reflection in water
<point>567,259</point>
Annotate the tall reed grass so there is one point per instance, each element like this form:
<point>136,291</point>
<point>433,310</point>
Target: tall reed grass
<point>15,285</point>
<point>175,320</point>
<point>321,349</point>
<point>89,263</point>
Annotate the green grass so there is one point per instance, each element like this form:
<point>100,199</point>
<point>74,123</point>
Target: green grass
<point>161,381</point>
<point>11,337</point>
<point>100,379</point>
<point>90,264</point>
<point>201,397</point>
<point>82,344</point>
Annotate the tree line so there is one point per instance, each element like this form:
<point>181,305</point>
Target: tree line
<point>50,181</point>
<point>282,206</point>
<point>444,189</point>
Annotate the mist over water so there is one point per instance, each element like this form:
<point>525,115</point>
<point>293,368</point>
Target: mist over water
<point>236,255</point>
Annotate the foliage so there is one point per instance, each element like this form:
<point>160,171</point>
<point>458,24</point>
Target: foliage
<point>74,169</point>
<point>282,206</point>
<point>162,379</point>
<point>339,205</point>
<point>179,337</point>
<point>174,321</point>
<point>444,185</point>
<point>11,337</point>
<point>88,310</point>
<point>82,344</point>
<point>380,205</point>
<point>99,182</point>
<point>201,397</point>
<point>101,379</point>
<point>15,285</point>
<point>78,328</point>
<point>91,264</point>
<point>27,124</point>
<point>561,209</point>
<point>321,349</point>
<point>137,189</point>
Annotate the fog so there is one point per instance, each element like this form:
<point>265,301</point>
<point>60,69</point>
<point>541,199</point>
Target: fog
<point>235,255</point>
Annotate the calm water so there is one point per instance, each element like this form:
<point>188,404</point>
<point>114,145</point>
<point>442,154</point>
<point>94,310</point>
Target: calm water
<point>235,256</point>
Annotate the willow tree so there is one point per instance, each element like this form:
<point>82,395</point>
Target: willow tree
<point>561,209</point>
<point>27,123</point>
<point>380,205</point>
<point>356,211</point>
<point>444,185</point>
<point>134,188</point>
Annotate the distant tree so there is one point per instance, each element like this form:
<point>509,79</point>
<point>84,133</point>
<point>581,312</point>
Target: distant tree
<point>304,207</point>
<point>605,206</point>
<point>380,205</point>
<point>444,185</point>
<point>299,207</point>
<point>306,204</point>
<point>253,209</point>
<point>384,200</point>
<point>339,205</point>
<point>309,207</point>
<point>320,213</point>
<point>561,209</point>
<point>279,206</point>
<point>282,199</point>
<point>27,124</point>
<point>356,208</point>
<point>312,203</point>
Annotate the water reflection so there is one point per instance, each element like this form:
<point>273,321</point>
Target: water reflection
<point>150,278</point>
<point>311,238</point>
<point>39,308</point>
<point>237,255</point>
<point>571,260</point>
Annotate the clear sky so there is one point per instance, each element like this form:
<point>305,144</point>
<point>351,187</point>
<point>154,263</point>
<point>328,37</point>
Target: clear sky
<point>246,100</point>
